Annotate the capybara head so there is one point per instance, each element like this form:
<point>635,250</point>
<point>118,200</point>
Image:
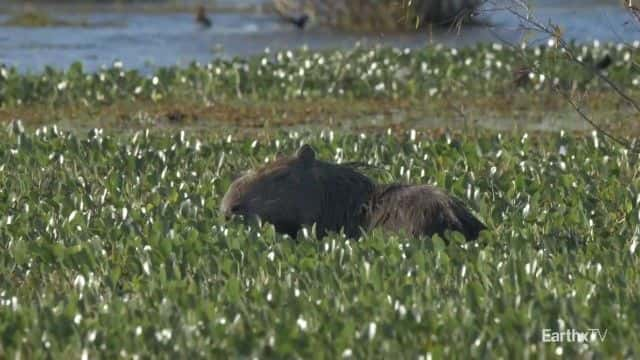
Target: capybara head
<point>283,193</point>
<point>301,190</point>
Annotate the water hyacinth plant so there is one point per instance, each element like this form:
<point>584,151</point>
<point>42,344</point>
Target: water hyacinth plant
<point>113,246</point>
<point>352,74</point>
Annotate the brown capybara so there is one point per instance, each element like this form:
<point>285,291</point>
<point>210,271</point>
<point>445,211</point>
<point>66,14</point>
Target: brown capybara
<point>301,191</point>
<point>202,18</point>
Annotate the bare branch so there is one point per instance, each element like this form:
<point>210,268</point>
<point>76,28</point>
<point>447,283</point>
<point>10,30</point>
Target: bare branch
<point>528,22</point>
<point>597,127</point>
<point>635,11</point>
<point>554,32</point>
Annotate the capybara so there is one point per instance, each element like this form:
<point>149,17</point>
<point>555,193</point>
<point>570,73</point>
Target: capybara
<point>202,18</point>
<point>301,191</point>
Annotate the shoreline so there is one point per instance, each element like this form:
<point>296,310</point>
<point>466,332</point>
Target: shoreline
<point>141,8</point>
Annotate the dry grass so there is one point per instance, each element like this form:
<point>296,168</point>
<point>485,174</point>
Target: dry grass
<point>517,110</point>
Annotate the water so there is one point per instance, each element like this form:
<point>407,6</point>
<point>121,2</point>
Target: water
<point>145,39</point>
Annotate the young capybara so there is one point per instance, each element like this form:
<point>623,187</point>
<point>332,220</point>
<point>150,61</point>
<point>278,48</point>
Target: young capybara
<point>301,191</point>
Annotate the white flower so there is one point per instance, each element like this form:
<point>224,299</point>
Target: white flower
<point>62,85</point>
<point>526,210</point>
<point>372,330</point>
<point>77,319</point>
<point>402,310</point>
<point>563,150</point>
<point>563,165</point>
<point>79,282</point>
<point>146,267</point>
<point>72,215</point>
<point>91,337</point>
<point>164,335</point>
<point>302,324</point>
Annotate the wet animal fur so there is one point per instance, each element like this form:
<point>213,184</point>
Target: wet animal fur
<point>420,210</point>
<point>301,191</point>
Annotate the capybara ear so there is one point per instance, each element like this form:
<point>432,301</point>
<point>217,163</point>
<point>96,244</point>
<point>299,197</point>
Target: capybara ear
<point>306,154</point>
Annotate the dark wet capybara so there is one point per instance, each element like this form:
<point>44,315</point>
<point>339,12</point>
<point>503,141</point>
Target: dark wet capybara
<point>301,191</point>
<point>300,22</point>
<point>202,18</point>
